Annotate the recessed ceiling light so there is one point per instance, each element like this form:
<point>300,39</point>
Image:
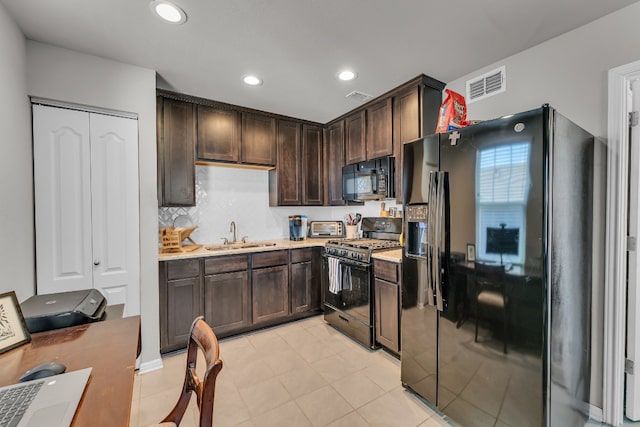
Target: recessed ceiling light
<point>252,80</point>
<point>168,11</point>
<point>347,75</point>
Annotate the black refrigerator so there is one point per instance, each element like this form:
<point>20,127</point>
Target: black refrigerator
<point>497,271</point>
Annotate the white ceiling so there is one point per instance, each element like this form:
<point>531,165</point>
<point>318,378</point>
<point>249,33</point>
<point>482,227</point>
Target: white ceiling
<point>298,46</point>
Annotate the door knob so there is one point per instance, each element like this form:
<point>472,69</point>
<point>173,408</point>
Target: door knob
<point>96,262</point>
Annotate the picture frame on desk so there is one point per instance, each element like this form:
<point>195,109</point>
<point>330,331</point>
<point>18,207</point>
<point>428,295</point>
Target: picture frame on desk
<point>471,252</point>
<point>13,329</point>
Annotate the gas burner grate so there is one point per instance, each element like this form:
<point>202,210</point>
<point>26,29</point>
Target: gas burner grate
<point>364,243</point>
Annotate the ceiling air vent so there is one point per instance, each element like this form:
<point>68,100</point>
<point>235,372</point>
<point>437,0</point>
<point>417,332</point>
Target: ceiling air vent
<point>487,85</point>
<point>359,96</point>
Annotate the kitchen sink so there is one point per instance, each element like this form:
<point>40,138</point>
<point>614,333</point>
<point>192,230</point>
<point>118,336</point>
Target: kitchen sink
<point>231,246</point>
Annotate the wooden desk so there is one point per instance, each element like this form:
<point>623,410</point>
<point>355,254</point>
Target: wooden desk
<point>109,347</point>
<point>525,291</point>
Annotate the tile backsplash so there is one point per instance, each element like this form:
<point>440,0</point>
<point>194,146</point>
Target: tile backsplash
<point>226,194</point>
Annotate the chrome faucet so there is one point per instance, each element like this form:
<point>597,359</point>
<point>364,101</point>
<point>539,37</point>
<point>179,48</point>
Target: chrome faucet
<point>232,228</point>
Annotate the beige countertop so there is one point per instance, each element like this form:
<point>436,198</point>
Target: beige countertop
<point>392,255</point>
<point>279,245</point>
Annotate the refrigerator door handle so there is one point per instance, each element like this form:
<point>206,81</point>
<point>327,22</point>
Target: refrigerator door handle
<point>431,213</point>
<point>439,244</point>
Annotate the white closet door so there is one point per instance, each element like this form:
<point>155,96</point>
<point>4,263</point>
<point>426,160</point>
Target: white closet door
<point>62,181</point>
<point>87,208</point>
<point>114,189</point>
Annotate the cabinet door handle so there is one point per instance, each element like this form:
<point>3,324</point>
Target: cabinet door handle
<point>96,262</point>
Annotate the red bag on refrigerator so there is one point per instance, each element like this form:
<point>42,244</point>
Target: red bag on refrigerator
<point>453,112</point>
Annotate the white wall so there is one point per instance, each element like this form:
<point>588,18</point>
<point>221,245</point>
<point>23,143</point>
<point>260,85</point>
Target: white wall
<point>16,177</point>
<point>70,76</point>
<point>226,194</point>
<point>570,73</point>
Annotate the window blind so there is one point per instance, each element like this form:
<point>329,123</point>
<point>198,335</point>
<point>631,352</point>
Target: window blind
<point>502,187</point>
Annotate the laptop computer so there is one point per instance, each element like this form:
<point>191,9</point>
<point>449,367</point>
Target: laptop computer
<point>50,401</point>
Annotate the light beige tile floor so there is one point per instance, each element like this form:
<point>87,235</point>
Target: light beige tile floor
<point>303,373</point>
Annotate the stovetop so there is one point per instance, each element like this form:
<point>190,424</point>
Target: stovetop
<point>364,243</point>
<point>358,249</point>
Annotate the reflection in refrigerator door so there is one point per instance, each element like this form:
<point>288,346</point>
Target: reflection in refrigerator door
<point>494,349</point>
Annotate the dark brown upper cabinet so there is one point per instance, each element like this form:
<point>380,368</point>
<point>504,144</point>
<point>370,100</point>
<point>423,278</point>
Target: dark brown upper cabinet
<point>379,129</point>
<point>312,183</point>
<point>407,126</point>
<point>297,178</point>
<point>333,163</point>
<point>176,130</point>
<point>355,133</point>
<point>285,182</point>
<point>308,157</point>
<point>369,132</point>
<point>415,113</point>
<point>258,142</point>
<point>218,134</point>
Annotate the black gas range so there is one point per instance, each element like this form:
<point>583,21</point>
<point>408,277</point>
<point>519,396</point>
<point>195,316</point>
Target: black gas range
<point>347,277</point>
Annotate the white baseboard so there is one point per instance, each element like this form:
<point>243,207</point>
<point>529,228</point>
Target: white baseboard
<point>152,365</point>
<point>595,413</point>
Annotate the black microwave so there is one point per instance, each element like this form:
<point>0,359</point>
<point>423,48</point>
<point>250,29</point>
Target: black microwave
<point>371,180</point>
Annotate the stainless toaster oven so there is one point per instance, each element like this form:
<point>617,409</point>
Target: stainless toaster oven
<point>326,229</point>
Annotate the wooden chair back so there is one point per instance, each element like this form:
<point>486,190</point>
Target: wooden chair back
<point>489,277</point>
<point>490,291</point>
<point>201,337</point>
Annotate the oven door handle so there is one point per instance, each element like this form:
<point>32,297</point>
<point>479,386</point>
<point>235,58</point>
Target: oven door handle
<point>351,263</point>
<point>359,266</point>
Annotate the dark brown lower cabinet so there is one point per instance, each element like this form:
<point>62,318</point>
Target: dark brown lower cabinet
<point>227,306</point>
<point>237,293</point>
<point>305,280</point>
<point>387,325</point>
<point>387,304</point>
<point>300,287</point>
<point>180,302</point>
<point>316,280</point>
<point>270,288</point>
